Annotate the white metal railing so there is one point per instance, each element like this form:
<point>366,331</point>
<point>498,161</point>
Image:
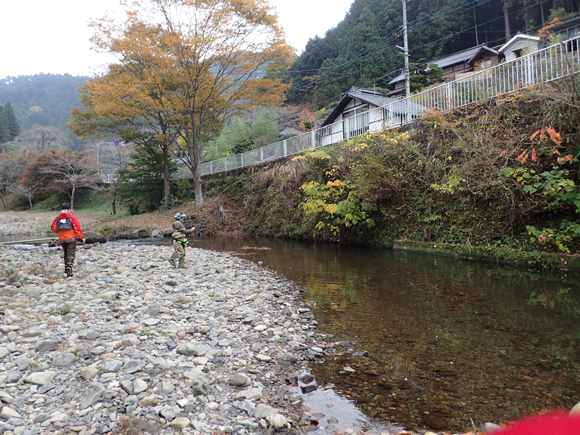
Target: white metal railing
<point>542,66</point>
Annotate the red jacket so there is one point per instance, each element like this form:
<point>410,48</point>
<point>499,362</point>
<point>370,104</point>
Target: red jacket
<point>68,234</point>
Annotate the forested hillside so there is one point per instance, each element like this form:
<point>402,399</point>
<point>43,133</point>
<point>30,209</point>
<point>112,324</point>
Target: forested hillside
<point>361,49</point>
<point>43,99</point>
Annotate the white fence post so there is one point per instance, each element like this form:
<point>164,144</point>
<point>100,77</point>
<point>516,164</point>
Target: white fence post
<point>285,148</point>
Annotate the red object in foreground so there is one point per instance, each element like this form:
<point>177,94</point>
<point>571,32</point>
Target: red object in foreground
<point>554,423</point>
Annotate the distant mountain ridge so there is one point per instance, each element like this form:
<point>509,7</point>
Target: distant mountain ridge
<point>54,94</point>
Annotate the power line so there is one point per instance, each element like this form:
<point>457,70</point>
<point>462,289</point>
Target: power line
<point>364,52</point>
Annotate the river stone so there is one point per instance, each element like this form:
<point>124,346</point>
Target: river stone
<point>278,421</point>
<point>250,394</point>
<point>7,398</point>
<point>14,278</point>
<point>169,412</point>
<point>64,360</point>
<point>180,423</point>
<point>111,366</point>
<point>150,401</point>
<point>200,384</point>
<point>202,349</point>
<point>240,380</point>
<point>187,349</point>
<point>88,373</point>
<point>491,427</point>
<point>94,237</point>
<point>40,378</point>
<point>143,233</point>
<point>263,411</point>
<point>285,358</point>
<point>4,352</point>
<point>8,413</point>
<point>139,386</point>
<point>157,234</point>
<point>127,386</point>
<point>133,366</point>
<point>47,345</point>
<point>434,421</point>
<point>89,334</point>
<point>109,295</point>
<point>92,395</point>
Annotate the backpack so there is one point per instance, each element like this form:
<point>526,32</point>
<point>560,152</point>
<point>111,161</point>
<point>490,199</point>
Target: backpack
<point>64,224</point>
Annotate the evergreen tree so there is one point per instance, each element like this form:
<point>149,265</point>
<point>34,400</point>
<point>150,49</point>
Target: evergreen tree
<point>13,126</point>
<point>140,185</point>
<point>423,75</point>
<point>4,128</point>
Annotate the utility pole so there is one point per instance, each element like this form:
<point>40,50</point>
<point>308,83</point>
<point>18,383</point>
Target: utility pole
<point>406,54</point>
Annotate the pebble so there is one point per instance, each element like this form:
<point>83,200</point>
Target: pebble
<point>205,349</point>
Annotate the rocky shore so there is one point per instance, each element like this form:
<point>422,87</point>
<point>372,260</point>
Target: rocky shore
<point>130,345</point>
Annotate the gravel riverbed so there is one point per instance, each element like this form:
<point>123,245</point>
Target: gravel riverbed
<point>205,349</point>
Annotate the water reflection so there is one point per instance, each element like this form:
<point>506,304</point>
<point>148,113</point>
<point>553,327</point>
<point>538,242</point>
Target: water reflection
<point>449,342</point>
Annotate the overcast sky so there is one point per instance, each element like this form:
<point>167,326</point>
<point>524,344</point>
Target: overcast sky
<point>52,36</point>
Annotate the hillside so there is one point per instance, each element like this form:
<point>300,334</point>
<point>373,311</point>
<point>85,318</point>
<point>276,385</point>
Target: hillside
<point>43,99</point>
<point>361,49</point>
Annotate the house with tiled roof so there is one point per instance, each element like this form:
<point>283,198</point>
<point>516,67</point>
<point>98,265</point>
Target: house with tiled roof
<point>478,57</point>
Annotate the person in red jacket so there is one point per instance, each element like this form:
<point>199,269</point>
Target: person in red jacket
<point>69,230</point>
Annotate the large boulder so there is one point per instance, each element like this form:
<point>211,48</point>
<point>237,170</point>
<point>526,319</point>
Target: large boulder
<point>157,234</point>
<point>168,233</point>
<point>94,237</point>
<point>143,233</point>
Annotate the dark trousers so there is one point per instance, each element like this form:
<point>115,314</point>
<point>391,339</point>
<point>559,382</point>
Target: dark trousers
<point>69,248</point>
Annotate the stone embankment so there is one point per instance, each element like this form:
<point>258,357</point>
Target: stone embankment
<point>130,345</point>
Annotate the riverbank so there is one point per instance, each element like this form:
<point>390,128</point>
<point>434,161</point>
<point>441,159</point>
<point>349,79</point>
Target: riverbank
<point>132,342</point>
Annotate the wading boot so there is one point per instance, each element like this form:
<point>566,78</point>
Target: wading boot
<point>182,263</point>
<point>68,269</point>
<point>173,260</point>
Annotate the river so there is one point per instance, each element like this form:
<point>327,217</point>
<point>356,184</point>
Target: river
<point>429,341</point>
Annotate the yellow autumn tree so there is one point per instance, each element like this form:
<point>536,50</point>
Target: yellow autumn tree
<point>197,62</point>
<point>117,104</point>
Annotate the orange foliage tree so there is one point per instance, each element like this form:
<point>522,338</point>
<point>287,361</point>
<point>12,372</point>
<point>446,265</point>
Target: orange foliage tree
<point>194,63</point>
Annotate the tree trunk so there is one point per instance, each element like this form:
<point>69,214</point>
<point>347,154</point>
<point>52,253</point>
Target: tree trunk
<point>194,151</point>
<point>72,198</point>
<point>5,202</point>
<point>114,203</point>
<point>166,180</point>
<point>198,191</point>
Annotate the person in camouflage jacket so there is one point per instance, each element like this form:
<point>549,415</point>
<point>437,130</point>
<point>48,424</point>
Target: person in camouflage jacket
<point>180,241</point>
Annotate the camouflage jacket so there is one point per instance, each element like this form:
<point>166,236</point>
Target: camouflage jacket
<point>179,230</point>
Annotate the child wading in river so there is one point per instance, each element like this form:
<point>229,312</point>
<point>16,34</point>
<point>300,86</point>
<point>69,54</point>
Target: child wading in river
<point>69,230</point>
<point>180,241</point>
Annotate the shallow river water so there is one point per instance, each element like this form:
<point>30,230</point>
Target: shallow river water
<point>430,342</point>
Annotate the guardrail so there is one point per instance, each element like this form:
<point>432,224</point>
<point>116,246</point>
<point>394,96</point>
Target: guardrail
<point>543,66</point>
